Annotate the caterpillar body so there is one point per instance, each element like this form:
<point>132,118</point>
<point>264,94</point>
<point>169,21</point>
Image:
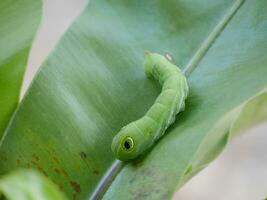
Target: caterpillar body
<point>138,136</point>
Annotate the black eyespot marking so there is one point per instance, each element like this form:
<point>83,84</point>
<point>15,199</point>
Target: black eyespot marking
<point>128,143</point>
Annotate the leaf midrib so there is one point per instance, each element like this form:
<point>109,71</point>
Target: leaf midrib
<point>207,43</point>
<point>189,68</point>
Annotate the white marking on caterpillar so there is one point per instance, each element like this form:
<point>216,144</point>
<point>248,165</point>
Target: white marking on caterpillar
<point>168,56</point>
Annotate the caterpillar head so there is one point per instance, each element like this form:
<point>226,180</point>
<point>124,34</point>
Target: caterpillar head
<point>128,143</point>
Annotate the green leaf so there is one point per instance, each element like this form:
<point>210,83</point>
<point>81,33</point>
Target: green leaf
<point>94,83</point>
<point>28,184</point>
<point>18,22</point>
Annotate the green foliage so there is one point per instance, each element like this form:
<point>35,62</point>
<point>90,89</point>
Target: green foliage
<point>93,84</point>
<point>18,22</point>
<point>28,184</point>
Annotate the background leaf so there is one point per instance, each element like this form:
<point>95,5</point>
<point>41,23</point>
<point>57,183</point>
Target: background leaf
<point>94,83</point>
<point>28,184</point>
<point>18,22</point>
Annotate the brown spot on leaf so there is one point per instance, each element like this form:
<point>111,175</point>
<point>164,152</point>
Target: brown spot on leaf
<point>64,172</point>
<point>57,171</point>
<point>55,159</point>
<point>38,167</point>
<point>42,170</point>
<point>60,187</point>
<point>75,186</point>
<point>83,155</point>
<point>35,157</point>
<point>18,162</point>
<point>96,172</point>
<point>35,163</point>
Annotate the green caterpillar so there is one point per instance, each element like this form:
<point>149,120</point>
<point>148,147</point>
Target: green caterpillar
<point>138,136</point>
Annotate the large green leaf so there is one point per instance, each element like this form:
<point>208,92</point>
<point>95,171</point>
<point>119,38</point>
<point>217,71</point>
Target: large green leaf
<point>18,23</point>
<point>93,84</point>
